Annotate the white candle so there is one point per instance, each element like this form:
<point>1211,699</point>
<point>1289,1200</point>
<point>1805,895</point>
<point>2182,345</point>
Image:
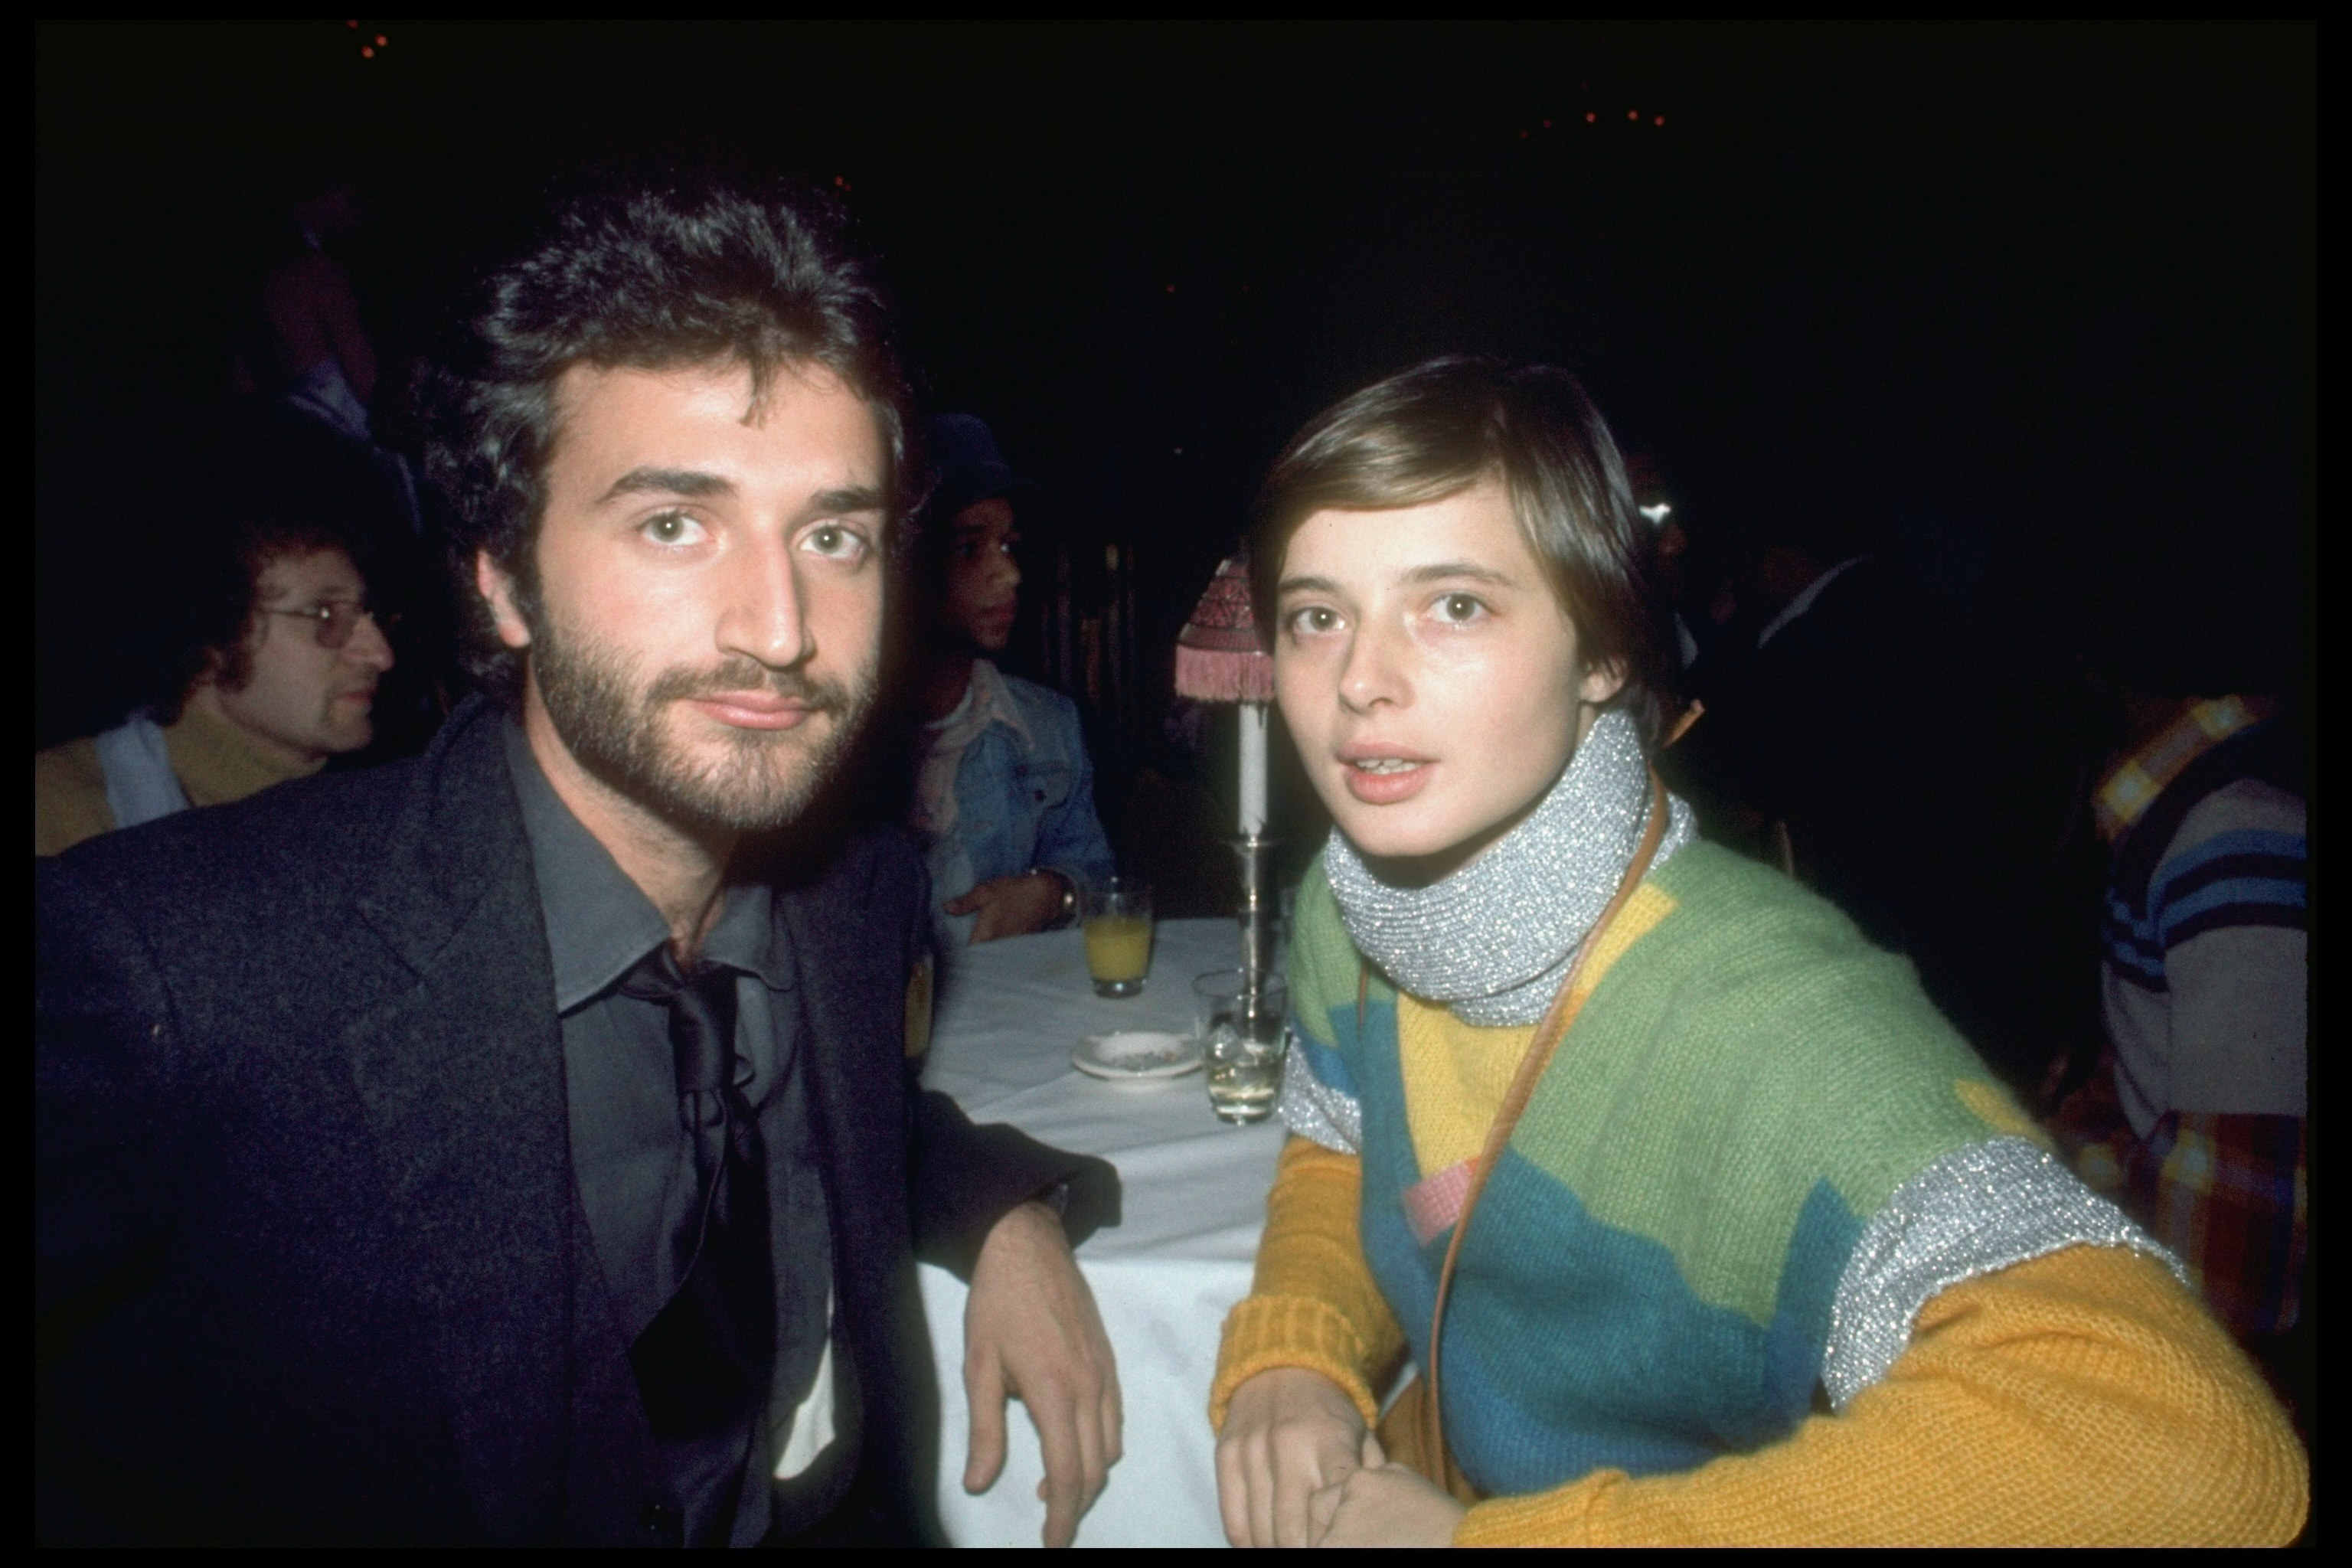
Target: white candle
<point>1253,768</point>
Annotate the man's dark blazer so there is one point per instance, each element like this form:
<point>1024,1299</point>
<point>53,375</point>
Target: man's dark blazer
<point>311,1262</point>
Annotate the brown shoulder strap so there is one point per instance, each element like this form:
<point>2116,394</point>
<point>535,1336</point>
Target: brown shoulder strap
<point>1541,1046</point>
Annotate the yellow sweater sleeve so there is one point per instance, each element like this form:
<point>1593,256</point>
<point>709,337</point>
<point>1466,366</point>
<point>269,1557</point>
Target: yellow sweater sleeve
<point>2084,1399</point>
<point>1313,1303</point>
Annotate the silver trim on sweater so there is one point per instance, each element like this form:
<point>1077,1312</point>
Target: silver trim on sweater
<point>1317,1111</point>
<point>1976,1210</point>
<point>1493,941</point>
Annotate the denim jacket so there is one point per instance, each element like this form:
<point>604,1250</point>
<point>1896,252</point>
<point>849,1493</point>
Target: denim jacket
<point>1024,803</point>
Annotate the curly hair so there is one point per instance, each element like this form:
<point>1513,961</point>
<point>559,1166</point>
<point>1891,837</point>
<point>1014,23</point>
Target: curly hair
<point>216,581</point>
<point>1449,423</point>
<point>647,277</point>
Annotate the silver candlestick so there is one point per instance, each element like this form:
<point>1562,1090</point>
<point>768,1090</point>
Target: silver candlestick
<point>1257,915</point>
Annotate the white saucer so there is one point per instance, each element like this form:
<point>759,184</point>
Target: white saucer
<point>1135,1055</point>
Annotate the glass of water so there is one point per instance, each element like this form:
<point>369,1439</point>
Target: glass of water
<point>1244,1039</point>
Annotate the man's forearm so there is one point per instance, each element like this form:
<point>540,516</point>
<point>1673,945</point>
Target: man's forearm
<point>968,1177</point>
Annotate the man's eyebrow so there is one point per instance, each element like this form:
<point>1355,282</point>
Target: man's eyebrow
<point>858,498</point>
<point>669,482</point>
<point>693,484</point>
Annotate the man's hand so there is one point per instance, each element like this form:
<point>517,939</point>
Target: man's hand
<point>1031,1331</point>
<point>1289,1433</point>
<point>1011,906</point>
<point>1380,1504</point>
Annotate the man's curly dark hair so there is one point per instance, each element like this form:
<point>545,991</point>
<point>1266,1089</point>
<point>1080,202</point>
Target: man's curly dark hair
<point>217,589</point>
<point>647,277</point>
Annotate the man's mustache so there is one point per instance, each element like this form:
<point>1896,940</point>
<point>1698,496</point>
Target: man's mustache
<point>739,676</point>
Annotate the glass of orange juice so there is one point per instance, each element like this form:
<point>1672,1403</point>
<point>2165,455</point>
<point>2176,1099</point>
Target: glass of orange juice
<point>1119,935</point>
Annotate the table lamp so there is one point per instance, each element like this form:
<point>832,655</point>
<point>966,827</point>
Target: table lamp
<point>1219,658</point>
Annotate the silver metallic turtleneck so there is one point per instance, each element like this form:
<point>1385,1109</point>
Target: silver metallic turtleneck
<point>1493,939</point>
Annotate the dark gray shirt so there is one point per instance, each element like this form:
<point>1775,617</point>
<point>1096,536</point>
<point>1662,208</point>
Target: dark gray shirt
<point>631,1156</point>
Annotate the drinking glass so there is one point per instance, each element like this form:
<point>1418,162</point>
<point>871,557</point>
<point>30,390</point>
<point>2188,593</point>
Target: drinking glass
<point>1119,935</point>
<point>1244,1045</point>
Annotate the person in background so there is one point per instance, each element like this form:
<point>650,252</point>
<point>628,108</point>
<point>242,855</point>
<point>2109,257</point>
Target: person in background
<point>303,346</point>
<point>283,657</point>
<point>2197,1119</point>
<point>1911,761</point>
<point>1650,499</point>
<point>304,343</point>
<point>1005,799</point>
<point>1724,1236</point>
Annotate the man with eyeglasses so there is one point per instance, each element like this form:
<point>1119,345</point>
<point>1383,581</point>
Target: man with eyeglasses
<point>284,655</point>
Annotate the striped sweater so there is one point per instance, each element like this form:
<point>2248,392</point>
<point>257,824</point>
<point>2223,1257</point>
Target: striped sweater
<point>1758,1156</point>
<point>2205,976</point>
<point>2206,906</point>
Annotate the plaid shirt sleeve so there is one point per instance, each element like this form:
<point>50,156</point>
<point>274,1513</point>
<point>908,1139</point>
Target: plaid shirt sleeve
<point>2226,1193</point>
<point>2229,1193</point>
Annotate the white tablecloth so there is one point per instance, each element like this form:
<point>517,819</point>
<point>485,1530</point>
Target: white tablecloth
<point>1195,1201</point>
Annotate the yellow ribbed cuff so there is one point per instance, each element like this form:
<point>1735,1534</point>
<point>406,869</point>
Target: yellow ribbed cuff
<point>1558,1518</point>
<point>1262,1332</point>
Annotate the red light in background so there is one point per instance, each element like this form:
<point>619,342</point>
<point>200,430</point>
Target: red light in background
<point>1547,124</point>
<point>1660,120</point>
<point>1632,114</point>
<point>366,53</point>
<point>351,24</point>
<point>381,41</point>
<point>1171,288</point>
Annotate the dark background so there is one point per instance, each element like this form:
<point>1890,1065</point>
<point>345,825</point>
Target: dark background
<point>2033,305</point>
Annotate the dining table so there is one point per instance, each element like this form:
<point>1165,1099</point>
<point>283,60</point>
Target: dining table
<point>1009,1017</point>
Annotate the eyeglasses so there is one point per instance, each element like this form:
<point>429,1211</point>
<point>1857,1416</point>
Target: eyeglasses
<point>336,620</point>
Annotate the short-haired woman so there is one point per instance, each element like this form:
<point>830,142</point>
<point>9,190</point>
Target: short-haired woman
<point>1728,1236</point>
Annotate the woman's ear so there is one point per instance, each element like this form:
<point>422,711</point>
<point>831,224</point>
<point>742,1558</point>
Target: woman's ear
<point>1602,682</point>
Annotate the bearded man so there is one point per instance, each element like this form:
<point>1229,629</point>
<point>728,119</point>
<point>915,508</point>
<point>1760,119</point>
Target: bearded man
<point>519,1147</point>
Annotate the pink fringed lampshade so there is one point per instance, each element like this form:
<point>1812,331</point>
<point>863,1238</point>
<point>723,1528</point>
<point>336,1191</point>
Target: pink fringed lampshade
<point>1218,656</point>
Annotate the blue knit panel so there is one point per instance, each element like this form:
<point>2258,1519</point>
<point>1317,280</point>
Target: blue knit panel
<point>1799,1333</point>
<point>1572,1346</point>
<point>1330,1066</point>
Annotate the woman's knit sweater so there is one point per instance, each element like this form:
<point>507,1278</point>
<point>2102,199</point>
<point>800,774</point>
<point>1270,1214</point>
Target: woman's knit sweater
<point>1759,1164</point>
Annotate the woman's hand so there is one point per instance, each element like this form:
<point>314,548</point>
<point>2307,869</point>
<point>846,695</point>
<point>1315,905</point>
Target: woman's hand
<point>1381,1504</point>
<point>1290,1433</point>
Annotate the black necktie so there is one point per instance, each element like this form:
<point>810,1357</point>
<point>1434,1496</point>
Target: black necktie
<point>705,1363</point>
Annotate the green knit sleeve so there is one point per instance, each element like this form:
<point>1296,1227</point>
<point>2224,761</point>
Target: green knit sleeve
<point>1323,962</point>
<point>1754,1075</point>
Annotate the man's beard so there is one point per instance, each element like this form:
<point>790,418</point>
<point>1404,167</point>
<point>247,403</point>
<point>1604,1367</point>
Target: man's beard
<point>614,723</point>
